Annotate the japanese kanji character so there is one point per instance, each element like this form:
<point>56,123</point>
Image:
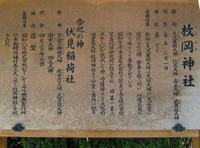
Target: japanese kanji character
<point>70,55</point>
<point>70,79</point>
<point>189,63</point>
<point>70,43</point>
<point>80,44</point>
<point>187,45</point>
<point>188,82</point>
<point>80,21</point>
<point>70,31</point>
<point>187,30</point>
<point>70,67</point>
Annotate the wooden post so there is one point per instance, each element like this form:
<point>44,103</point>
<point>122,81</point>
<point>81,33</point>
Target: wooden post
<point>3,142</point>
<point>195,141</point>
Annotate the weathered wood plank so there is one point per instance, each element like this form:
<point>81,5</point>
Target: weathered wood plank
<point>196,141</point>
<point>99,133</point>
<point>3,142</point>
<point>77,119</point>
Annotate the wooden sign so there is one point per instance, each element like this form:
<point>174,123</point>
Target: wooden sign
<point>82,65</point>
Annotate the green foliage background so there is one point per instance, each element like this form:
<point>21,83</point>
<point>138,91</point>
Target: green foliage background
<point>106,142</point>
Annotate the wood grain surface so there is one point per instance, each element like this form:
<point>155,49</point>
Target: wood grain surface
<point>99,16</point>
<point>100,133</point>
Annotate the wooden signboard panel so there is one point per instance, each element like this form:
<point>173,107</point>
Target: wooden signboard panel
<point>99,69</point>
